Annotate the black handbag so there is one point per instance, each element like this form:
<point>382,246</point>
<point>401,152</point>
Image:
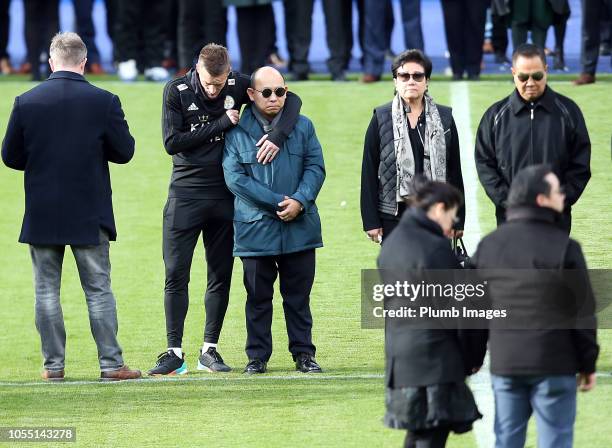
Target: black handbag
<point>460,251</point>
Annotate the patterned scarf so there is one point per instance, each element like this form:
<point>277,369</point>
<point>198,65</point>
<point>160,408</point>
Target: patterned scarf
<point>434,144</point>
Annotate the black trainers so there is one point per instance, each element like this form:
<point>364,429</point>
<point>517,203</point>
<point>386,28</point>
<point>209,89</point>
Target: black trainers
<point>255,366</point>
<point>305,363</point>
<point>169,364</point>
<point>211,361</point>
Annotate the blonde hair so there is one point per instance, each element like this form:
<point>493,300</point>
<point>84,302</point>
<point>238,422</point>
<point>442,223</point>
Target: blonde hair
<point>67,48</point>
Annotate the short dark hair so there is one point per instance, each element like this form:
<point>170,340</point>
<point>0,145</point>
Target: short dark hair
<point>215,59</point>
<point>413,55</point>
<point>427,192</point>
<point>529,51</point>
<point>528,184</point>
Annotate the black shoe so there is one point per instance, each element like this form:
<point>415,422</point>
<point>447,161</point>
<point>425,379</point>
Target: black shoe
<point>255,366</point>
<point>500,58</point>
<point>339,77</point>
<point>299,77</point>
<point>457,76</point>
<point>473,77</point>
<point>211,361</point>
<point>169,364</point>
<point>305,362</point>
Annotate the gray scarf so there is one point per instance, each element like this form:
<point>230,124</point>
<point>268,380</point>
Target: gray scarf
<point>266,124</point>
<point>434,145</point>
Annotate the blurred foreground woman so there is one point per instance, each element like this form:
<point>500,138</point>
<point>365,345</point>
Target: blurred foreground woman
<point>426,368</point>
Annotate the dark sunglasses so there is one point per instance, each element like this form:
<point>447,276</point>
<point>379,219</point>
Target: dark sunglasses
<point>405,77</point>
<point>536,76</point>
<point>267,92</point>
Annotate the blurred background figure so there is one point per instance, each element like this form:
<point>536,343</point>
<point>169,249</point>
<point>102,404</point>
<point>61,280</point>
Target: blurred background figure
<point>530,15</point>
<point>5,62</point>
<point>41,24</point>
<point>377,29</point>
<point>298,33</point>
<point>170,58</point>
<point>85,29</point>
<point>561,14</point>
<point>200,22</point>
<point>464,22</point>
<point>499,33</point>
<point>338,31</point>
<point>606,32</point>
<point>256,32</point>
<point>139,39</point>
<point>592,13</point>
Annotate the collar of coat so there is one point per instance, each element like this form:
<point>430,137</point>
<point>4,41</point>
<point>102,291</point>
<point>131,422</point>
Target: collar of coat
<point>249,123</point>
<point>64,74</point>
<point>532,213</point>
<point>420,218</point>
<point>547,101</point>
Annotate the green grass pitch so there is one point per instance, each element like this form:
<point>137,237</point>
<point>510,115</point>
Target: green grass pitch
<point>342,408</point>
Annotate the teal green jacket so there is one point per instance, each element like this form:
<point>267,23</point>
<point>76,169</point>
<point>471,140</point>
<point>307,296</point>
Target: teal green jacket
<point>297,171</point>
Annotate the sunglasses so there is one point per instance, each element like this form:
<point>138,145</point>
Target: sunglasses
<point>536,76</point>
<point>267,92</point>
<point>405,77</point>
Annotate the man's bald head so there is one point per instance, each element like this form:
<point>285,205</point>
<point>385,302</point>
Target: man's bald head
<point>266,75</point>
<point>268,91</point>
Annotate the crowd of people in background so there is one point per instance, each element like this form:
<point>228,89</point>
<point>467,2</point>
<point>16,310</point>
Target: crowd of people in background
<point>161,38</point>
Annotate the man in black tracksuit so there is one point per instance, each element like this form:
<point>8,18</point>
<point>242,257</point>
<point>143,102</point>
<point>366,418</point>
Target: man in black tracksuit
<point>533,125</point>
<point>198,108</point>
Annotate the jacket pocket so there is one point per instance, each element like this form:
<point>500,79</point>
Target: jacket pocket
<point>247,157</point>
<point>246,213</point>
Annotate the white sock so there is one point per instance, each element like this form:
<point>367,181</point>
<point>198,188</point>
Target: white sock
<point>178,351</point>
<point>208,345</point>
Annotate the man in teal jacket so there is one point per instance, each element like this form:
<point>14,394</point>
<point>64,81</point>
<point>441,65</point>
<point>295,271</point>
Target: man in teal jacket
<point>276,222</point>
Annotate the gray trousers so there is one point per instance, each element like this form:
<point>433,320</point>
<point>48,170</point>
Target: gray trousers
<point>93,264</point>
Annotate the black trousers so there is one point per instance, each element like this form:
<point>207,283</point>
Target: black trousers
<point>464,22</point>
<point>592,12</point>
<point>140,31</point>
<point>339,33</point>
<point>184,221</point>
<point>4,27</point>
<point>200,22</point>
<point>499,35</point>
<point>390,222</point>
<point>85,28</point>
<point>530,15</point>
<point>298,32</point>
<point>256,36</point>
<point>41,24</point>
<point>296,275</point>
<point>433,438</point>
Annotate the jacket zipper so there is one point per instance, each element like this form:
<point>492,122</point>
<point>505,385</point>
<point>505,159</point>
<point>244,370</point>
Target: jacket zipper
<point>531,136</point>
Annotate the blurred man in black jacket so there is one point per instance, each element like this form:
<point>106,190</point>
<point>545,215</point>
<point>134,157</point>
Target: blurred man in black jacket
<point>534,368</point>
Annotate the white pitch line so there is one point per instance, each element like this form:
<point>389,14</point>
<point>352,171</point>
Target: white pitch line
<point>179,378</point>
<point>481,382</point>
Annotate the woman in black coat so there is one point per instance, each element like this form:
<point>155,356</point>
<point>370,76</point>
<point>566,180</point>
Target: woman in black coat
<point>426,368</point>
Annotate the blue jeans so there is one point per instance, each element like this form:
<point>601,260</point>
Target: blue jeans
<point>551,398</point>
<point>376,35</point>
<point>93,264</point>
